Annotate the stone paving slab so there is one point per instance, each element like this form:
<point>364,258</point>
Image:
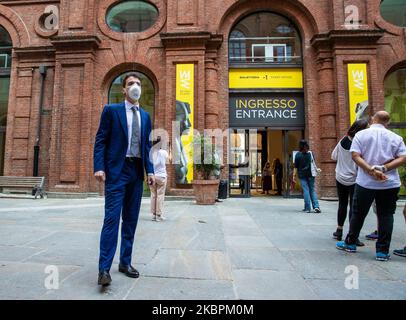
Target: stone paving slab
<point>27,280</point>
<point>153,288</point>
<point>258,258</point>
<point>271,285</point>
<point>367,290</point>
<point>257,248</point>
<point>190,264</point>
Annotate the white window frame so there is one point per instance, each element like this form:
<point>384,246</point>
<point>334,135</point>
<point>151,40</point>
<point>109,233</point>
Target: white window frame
<point>269,49</point>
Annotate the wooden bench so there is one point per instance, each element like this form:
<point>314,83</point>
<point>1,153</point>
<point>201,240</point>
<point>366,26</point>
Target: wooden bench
<point>36,184</point>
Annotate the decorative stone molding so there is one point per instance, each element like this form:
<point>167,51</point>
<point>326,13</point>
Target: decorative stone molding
<point>178,40</point>
<point>346,37</point>
<point>76,42</point>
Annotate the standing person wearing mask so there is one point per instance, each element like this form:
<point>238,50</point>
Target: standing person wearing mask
<point>159,157</point>
<point>346,174</point>
<point>303,163</point>
<point>121,153</point>
<point>378,153</point>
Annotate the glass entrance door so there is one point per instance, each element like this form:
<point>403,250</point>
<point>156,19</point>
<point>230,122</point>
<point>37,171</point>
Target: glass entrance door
<point>291,146</point>
<point>250,149</point>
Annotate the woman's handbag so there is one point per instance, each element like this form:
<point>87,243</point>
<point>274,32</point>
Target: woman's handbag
<point>315,170</point>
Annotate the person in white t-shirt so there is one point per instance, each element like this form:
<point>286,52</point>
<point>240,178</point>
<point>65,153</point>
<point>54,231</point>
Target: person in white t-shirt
<point>378,153</point>
<point>159,157</point>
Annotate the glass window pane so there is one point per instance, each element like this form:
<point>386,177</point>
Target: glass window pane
<point>132,16</point>
<point>5,40</point>
<point>394,11</point>
<point>4,90</point>
<point>147,100</point>
<point>395,96</point>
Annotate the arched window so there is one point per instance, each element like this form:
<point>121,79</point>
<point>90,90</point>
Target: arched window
<point>395,103</point>
<point>147,100</point>
<point>132,16</point>
<point>5,65</point>
<point>394,11</point>
<point>265,38</point>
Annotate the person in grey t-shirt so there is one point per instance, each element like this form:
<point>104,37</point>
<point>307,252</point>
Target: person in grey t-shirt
<point>378,153</point>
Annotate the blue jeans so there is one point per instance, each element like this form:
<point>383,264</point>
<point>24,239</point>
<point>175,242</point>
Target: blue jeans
<point>309,193</point>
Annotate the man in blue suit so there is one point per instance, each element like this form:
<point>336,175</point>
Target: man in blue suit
<point>121,153</point>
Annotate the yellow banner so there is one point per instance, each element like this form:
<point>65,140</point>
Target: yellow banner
<point>358,91</point>
<point>284,78</point>
<point>185,118</point>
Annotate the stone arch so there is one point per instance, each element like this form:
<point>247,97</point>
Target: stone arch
<point>119,69</point>
<point>15,26</point>
<point>125,67</point>
<point>400,64</point>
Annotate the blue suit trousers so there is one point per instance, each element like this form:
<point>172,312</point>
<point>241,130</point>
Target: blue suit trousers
<point>123,197</point>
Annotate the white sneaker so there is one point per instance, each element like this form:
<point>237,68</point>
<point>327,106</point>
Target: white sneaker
<point>154,218</point>
<point>160,218</point>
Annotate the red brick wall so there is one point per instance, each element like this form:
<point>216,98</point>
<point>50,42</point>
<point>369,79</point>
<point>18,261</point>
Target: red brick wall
<point>83,56</point>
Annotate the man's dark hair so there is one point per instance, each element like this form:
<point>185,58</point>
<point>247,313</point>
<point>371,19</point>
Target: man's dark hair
<point>303,146</point>
<point>357,126</point>
<point>131,74</point>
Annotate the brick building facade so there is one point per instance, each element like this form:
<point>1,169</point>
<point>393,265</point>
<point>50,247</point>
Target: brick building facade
<point>83,56</point>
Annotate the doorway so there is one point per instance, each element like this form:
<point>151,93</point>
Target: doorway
<point>250,150</point>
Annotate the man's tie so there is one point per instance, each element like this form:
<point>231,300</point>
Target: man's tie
<point>135,135</point>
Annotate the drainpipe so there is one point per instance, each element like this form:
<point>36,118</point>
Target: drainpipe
<point>43,73</point>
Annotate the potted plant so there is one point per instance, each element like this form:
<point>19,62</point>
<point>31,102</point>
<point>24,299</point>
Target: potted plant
<point>207,166</point>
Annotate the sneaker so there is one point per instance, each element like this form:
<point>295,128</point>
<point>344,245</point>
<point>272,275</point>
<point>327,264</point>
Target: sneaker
<point>306,210</point>
<point>317,210</point>
<point>380,256</point>
<point>400,252</point>
<point>160,218</point>
<point>153,218</point>
<point>359,243</point>
<point>372,236</point>
<point>341,245</point>
<point>338,235</point>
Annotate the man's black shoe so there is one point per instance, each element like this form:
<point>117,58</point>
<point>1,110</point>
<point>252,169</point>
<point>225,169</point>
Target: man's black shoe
<point>129,271</point>
<point>104,278</point>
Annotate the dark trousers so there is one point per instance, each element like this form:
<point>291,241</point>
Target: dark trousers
<point>385,206</point>
<point>279,184</point>
<point>123,197</point>
<point>344,193</point>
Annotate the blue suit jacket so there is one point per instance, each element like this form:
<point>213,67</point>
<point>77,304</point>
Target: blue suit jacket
<point>111,143</point>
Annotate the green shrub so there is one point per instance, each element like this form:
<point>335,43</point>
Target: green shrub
<point>206,165</point>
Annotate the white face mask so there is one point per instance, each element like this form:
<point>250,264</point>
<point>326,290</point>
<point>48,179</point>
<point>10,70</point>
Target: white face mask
<point>134,92</point>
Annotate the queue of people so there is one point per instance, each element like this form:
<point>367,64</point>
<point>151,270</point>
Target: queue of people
<point>366,176</point>
<point>378,152</point>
